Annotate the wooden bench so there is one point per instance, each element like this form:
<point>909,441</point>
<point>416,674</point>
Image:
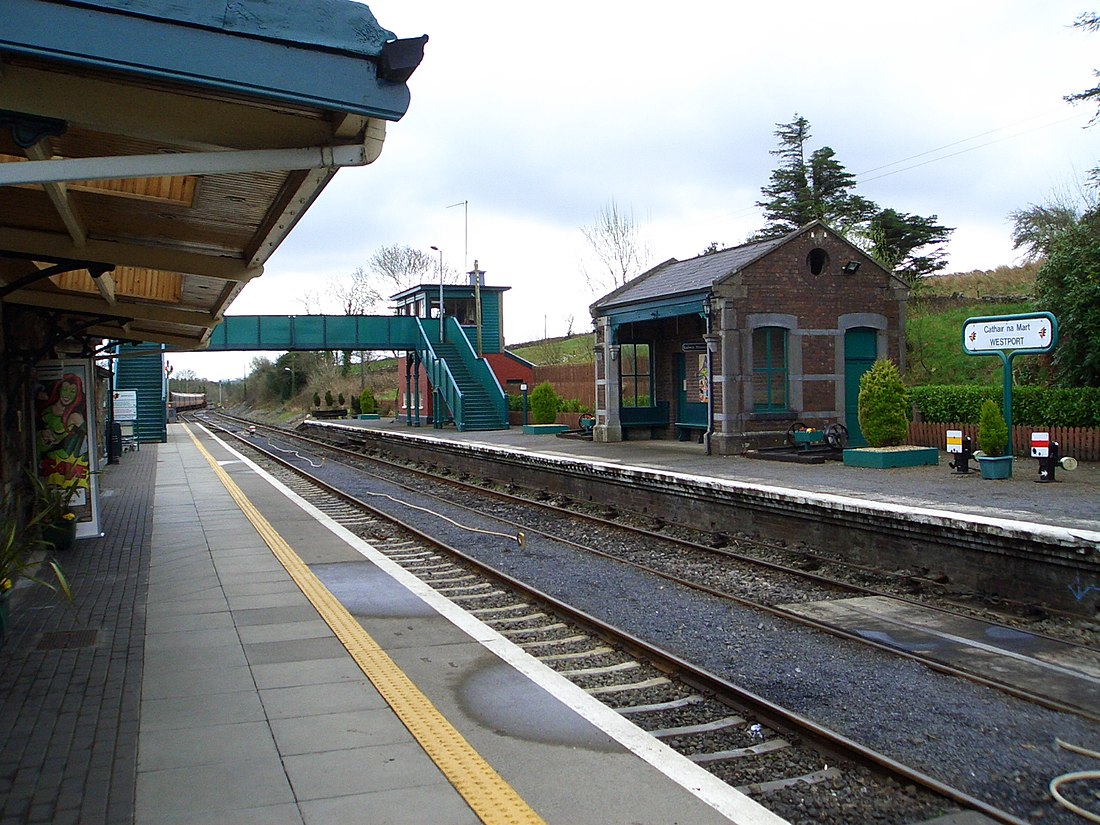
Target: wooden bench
<point>686,429</point>
<point>649,417</point>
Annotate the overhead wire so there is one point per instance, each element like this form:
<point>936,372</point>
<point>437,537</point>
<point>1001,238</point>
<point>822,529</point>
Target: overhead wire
<point>861,177</point>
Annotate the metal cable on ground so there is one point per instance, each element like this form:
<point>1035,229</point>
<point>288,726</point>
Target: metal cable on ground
<point>1076,776</point>
<point>519,538</point>
<point>295,453</point>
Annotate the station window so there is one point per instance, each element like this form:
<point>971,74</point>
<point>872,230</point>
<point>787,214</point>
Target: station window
<point>464,309</point>
<point>636,375</point>
<point>769,369</point>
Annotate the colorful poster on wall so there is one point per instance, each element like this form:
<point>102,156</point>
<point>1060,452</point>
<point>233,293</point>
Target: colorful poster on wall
<point>702,378</point>
<point>64,425</point>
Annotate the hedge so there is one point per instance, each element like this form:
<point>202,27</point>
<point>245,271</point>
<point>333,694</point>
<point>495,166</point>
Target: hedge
<point>1039,406</point>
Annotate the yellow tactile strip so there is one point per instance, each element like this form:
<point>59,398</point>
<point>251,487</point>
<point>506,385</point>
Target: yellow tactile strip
<point>493,800</point>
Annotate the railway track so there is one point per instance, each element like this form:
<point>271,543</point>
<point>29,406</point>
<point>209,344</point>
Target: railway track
<point>1064,675</point>
<point>786,761</point>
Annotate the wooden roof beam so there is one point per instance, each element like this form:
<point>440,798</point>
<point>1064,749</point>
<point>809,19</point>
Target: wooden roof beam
<point>90,305</point>
<point>59,197</point>
<point>51,244</point>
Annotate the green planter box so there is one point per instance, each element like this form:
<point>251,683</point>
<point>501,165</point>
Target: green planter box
<point>996,467</point>
<point>885,458</point>
<point>369,417</point>
<point>545,429</point>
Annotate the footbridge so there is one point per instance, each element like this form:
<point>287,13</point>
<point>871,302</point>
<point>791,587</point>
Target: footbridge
<point>462,382</point>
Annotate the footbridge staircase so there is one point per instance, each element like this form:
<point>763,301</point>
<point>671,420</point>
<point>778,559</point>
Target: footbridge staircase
<point>462,382</point>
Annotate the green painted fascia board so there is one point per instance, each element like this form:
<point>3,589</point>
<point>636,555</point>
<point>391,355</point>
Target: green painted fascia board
<point>302,73</point>
<point>654,310</point>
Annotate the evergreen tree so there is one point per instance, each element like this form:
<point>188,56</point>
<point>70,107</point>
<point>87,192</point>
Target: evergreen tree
<point>802,191</point>
<point>831,196</point>
<point>900,241</point>
<point>1090,22</point>
<point>788,204</point>
<point>820,188</point>
<point>1068,285</point>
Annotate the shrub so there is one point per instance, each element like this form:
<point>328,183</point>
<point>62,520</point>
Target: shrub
<point>544,403</point>
<point>574,406</point>
<point>883,406</point>
<point>328,398</point>
<point>356,407</point>
<point>316,400</point>
<point>1036,406</point>
<point>992,430</point>
<point>340,400</point>
<point>1056,406</point>
<point>952,403</point>
<point>368,405</point>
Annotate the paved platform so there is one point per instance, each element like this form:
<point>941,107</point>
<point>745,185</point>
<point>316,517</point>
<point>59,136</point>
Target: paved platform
<point>1073,501</point>
<point>226,662</point>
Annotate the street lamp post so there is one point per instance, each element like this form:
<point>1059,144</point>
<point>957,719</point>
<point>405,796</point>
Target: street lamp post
<point>441,312</point>
<point>293,387</point>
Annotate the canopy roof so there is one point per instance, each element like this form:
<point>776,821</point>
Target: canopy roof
<point>153,154</point>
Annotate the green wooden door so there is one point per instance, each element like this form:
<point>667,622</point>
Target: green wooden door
<point>860,351</point>
<point>692,386</point>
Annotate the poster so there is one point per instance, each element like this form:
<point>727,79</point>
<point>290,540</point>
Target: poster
<point>702,378</point>
<point>64,429</point>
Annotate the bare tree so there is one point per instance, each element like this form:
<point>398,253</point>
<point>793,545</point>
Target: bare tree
<point>620,253</point>
<point>396,268</point>
<point>357,294</point>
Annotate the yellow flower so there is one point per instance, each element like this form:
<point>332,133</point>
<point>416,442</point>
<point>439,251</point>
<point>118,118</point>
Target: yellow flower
<point>68,516</point>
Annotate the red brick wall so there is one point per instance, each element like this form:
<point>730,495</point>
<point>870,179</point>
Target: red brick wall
<point>784,283</point>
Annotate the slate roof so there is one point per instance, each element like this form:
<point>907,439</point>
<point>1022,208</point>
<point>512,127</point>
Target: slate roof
<point>694,275</point>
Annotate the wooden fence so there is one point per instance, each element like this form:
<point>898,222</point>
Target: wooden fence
<point>1083,443</point>
<point>571,382</point>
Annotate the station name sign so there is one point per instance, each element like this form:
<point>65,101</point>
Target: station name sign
<point>1036,333</point>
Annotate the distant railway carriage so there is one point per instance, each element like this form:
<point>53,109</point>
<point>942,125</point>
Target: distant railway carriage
<point>187,401</point>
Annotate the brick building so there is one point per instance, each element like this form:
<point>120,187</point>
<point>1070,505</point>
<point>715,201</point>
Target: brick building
<point>733,347</point>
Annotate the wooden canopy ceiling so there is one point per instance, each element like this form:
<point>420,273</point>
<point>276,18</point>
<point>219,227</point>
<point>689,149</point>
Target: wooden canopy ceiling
<point>140,205</point>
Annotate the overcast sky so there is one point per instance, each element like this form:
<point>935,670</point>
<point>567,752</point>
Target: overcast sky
<point>526,119</point>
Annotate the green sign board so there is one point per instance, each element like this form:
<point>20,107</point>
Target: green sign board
<point>1007,336</point>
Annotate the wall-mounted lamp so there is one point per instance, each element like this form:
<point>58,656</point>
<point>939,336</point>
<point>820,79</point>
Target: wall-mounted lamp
<point>708,303</point>
<point>851,267</point>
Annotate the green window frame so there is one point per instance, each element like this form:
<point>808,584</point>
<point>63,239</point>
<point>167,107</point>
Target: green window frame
<point>636,375</point>
<point>769,369</point>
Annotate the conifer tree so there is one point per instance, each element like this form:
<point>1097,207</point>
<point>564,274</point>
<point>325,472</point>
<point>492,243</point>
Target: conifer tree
<point>804,189</point>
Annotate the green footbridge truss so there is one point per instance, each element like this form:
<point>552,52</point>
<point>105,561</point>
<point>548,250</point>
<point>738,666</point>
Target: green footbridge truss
<point>463,383</point>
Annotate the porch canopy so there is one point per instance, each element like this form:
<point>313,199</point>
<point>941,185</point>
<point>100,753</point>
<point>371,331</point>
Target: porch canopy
<point>153,154</point>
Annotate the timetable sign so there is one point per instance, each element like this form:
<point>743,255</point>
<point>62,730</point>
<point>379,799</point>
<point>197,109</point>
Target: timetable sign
<point>1032,333</point>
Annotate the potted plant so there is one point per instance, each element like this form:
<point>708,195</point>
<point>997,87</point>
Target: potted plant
<point>884,412</point>
<point>22,552</point>
<point>58,524</point>
<point>992,439</point>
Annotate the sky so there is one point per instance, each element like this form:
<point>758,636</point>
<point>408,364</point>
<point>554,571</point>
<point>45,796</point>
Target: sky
<point>528,119</point>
